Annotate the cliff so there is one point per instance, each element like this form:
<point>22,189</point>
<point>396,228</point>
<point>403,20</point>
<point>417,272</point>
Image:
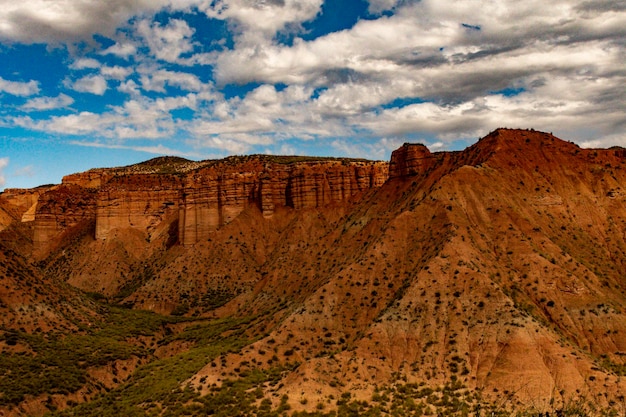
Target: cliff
<point>59,211</point>
<point>214,196</point>
<point>22,202</point>
<point>195,197</point>
<point>145,202</point>
<point>410,159</point>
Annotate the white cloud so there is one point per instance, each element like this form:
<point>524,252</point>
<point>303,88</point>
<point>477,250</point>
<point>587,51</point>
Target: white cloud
<point>448,69</point>
<point>58,21</point>
<point>94,84</point>
<point>73,124</point>
<point>4,162</point>
<point>130,87</point>
<point>116,72</point>
<point>167,42</point>
<point>84,63</point>
<point>139,117</point>
<point>122,49</point>
<point>48,103</point>
<point>568,65</point>
<point>18,88</point>
<point>235,143</point>
<point>157,80</point>
<point>264,17</point>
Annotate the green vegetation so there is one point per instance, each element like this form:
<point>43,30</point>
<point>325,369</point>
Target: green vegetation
<point>58,364</point>
<point>155,387</point>
<point>287,159</point>
<point>55,364</point>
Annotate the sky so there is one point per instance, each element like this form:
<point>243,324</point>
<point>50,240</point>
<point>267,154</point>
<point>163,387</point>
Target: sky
<point>92,83</point>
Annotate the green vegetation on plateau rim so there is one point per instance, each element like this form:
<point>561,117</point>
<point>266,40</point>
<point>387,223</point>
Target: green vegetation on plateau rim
<point>176,165</point>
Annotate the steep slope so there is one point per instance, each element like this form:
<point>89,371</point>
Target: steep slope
<point>19,204</point>
<point>30,301</point>
<point>499,268</point>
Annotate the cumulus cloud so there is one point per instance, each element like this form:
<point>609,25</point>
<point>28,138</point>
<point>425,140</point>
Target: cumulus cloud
<point>3,164</point>
<point>157,80</point>
<point>18,88</point>
<point>167,42</point>
<point>262,18</point>
<point>122,49</point>
<point>139,117</point>
<point>116,72</point>
<point>84,63</point>
<point>48,103</point>
<point>58,21</point>
<point>420,38</point>
<point>94,84</point>
<point>446,69</point>
<point>456,62</point>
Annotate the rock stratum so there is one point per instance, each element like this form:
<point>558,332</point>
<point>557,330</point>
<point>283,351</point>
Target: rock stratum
<point>442,282</point>
<point>199,197</point>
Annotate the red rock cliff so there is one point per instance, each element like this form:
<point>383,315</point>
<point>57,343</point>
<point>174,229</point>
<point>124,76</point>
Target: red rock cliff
<point>201,196</point>
<point>146,202</point>
<point>410,159</point>
<point>216,195</point>
<point>23,202</point>
<point>58,211</point>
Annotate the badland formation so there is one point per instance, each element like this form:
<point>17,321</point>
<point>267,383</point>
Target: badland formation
<point>489,280</point>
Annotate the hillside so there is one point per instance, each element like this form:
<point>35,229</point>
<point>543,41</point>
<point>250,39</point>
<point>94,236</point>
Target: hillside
<point>486,279</point>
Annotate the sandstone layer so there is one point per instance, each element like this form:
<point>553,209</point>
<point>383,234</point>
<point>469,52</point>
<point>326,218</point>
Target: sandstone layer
<point>195,197</point>
<point>216,195</point>
<point>144,202</point>
<point>410,159</point>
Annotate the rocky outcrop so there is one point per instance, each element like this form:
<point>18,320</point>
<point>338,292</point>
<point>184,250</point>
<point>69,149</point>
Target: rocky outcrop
<point>144,202</point>
<point>191,200</point>
<point>497,270</point>
<point>58,211</point>
<point>410,159</point>
<point>23,201</point>
<point>94,178</point>
<point>201,196</point>
<point>216,195</point>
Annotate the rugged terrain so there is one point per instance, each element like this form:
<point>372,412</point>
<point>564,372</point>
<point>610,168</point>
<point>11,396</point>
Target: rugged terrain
<point>486,279</point>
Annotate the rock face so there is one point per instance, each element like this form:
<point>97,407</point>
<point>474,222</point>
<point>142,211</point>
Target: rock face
<point>94,178</point>
<point>145,202</point>
<point>153,196</point>
<point>410,159</point>
<point>215,196</point>
<point>23,202</point>
<point>59,211</point>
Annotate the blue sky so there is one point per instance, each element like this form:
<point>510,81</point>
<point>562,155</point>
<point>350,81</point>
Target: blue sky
<point>94,84</point>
